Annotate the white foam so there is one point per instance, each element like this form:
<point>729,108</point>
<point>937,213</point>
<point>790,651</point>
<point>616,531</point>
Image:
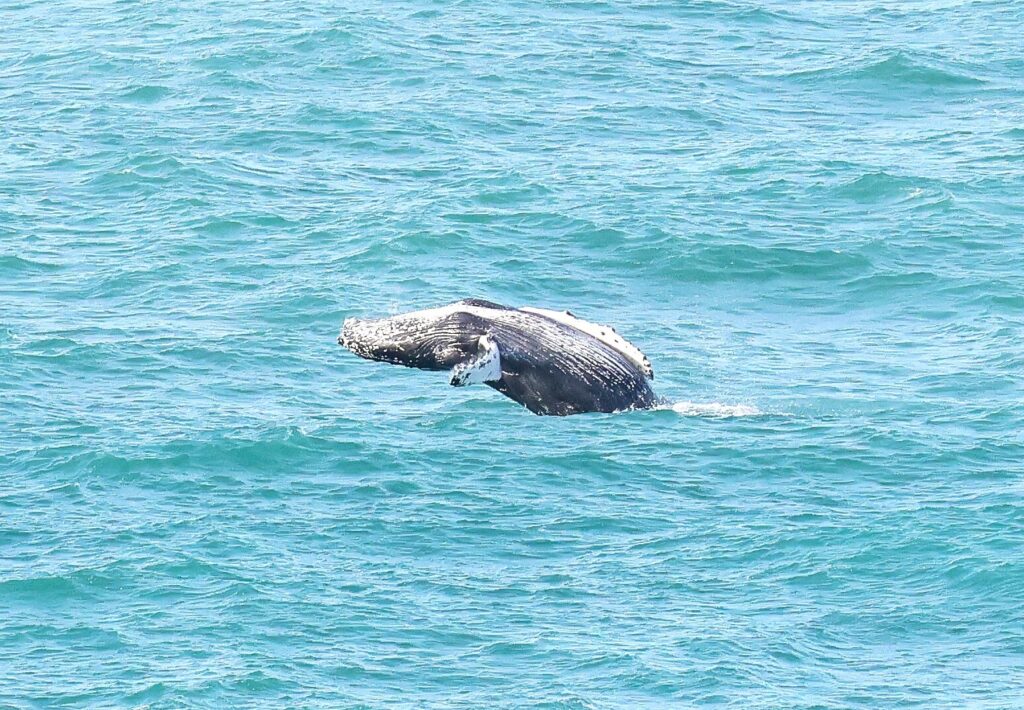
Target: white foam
<point>713,409</point>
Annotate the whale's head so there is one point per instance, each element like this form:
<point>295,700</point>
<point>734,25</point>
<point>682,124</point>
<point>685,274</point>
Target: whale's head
<point>434,339</point>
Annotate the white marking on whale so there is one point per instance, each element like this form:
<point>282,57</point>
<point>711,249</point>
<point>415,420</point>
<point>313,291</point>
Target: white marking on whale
<point>484,367</point>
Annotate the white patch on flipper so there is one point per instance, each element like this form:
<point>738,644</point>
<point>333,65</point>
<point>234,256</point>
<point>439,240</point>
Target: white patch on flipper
<point>606,334</point>
<point>485,366</point>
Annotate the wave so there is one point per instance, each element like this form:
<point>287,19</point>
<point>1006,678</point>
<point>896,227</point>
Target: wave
<point>881,186</point>
<point>901,68</point>
<point>21,264</point>
<point>736,260</point>
<point>898,70</point>
<point>145,94</point>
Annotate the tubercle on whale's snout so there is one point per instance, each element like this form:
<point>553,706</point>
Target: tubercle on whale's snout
<point>364,338</point>
<point>344,335</point>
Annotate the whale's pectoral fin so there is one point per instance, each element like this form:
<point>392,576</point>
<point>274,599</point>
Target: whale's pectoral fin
<point>484,366</point>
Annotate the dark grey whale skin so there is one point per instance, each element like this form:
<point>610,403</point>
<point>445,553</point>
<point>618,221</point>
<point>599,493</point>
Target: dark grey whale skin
<point>547,366</point>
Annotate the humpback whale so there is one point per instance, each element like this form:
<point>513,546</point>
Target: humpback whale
<point>551,362</point>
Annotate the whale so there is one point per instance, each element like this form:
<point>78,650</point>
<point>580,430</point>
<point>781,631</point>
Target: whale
<point>549,361</point>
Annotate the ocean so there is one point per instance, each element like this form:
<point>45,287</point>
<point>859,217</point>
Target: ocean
<point>808,215</point>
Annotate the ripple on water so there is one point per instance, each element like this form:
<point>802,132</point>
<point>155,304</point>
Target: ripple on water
<point>814,235</point>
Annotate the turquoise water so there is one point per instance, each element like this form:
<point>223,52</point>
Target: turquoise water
<point>809,215</point>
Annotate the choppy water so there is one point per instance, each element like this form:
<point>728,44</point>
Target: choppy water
<point>809,215</point>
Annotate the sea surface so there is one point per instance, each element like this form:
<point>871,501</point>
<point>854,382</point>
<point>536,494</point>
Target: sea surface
<point>809,215</point>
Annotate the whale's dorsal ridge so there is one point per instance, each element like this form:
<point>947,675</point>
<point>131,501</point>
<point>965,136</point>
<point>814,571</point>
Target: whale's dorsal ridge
<point>482,303</point>
<point>606,334</point>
